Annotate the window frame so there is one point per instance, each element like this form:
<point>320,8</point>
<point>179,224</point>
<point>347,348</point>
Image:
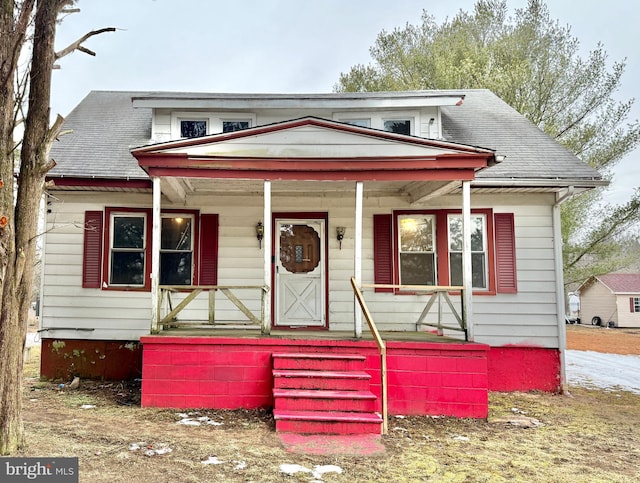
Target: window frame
<point>635,304</point>
<point>442,247</point>
<point>110,212</point>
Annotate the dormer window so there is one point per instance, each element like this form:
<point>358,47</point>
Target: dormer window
<point>357,122</point>
<point>231,126</point>
<point>193,128</point>
<point>398,126</point>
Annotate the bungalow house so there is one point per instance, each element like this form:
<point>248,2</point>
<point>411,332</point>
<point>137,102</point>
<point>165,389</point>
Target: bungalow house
<point>211,244</point>
<point>611,300</point>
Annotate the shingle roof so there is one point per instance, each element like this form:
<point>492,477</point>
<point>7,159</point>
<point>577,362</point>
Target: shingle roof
<point>106,126</point>
<point>622,282</point>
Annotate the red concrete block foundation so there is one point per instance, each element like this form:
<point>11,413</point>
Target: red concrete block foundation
<point>228,373</point>
<point>524,369</point>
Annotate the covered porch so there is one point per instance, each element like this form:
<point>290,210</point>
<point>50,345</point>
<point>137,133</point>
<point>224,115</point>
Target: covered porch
<point>300,305</point>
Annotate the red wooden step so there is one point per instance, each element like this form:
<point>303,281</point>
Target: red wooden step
<point>327,422</point>
<point>336,380</point>
<point>324,400</point>
<point>319,361</point>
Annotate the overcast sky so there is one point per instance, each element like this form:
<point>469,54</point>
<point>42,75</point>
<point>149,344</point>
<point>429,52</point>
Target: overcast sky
<point>290,46</point>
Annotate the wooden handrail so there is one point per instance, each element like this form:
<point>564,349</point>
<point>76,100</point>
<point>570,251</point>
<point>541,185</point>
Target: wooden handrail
<point>382,347</point>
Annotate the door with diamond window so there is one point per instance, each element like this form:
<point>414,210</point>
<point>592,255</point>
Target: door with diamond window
<point>300,273</point>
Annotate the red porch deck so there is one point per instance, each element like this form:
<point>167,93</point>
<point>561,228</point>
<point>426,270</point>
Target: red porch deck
<point>231,369</point>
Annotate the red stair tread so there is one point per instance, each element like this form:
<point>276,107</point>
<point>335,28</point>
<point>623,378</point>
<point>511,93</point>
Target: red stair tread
<point>312,355</point>
<point>323,394</point>
<point>321,374</point>
<point>327,416</point>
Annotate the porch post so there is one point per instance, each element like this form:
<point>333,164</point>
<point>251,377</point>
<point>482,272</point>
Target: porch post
<point>467,280</point>
<point>155,257</point>
<point>357,257</point>
<point>266,243</point>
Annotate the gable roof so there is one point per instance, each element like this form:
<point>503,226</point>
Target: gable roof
<point>618,283</point>
<point>106,127</point>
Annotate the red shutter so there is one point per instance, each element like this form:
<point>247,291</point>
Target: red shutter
<point>208,249</point>
<point>92,256</point>
<point>505,253</point>
<point>382,251</point>
<point>631,305</point>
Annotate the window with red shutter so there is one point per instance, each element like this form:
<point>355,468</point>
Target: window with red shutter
<point>203,255</point>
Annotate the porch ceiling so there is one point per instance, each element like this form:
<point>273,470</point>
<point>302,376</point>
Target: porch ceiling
<point>178,190</point>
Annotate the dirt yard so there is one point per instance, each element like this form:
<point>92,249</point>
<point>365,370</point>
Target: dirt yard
<point>600,339</point>
<point>591,436</point>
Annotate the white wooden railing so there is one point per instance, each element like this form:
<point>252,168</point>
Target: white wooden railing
<point>191,293</point>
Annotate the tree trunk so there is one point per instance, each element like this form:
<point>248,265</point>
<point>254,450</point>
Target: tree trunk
<point>18,237</point>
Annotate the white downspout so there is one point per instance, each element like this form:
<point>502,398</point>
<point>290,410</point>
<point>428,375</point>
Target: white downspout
<point>357,258</point>
<point>560,308</point>
<point>467,281</point>
<point>155,257</point>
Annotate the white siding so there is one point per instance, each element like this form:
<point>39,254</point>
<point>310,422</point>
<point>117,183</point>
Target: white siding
<point>528,317</point>
<point>626,318</point>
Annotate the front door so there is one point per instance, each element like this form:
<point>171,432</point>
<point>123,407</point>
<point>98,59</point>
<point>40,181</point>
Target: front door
<point>300,273</point>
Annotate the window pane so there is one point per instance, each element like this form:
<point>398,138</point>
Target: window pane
<point>478,275</point>
<point>477,233</point>
<point>230,126</point>
<point>416,234</point>
<point>358,122</point>
<point>455,233</point>
<point>193,129</point>
<point>175,268</point>
<point>417,269</point>
<point>128,232</point>
<point>176,233</point>
<point>127,268</point>
<point>398,127</point>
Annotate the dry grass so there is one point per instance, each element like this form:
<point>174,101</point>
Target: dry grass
<point>589,437</point>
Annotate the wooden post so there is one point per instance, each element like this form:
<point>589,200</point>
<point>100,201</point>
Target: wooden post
<point>467,280</point>
<point>267,246</point>
<point>357,257</point>
<point>212,306</point>
<point>155,256</point>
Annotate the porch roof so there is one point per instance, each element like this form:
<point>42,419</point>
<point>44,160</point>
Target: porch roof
<point>314,149</point>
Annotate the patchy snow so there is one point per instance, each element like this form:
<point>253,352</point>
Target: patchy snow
<point>213,460</point>
<point>603,371</point>
<point>317,471</point>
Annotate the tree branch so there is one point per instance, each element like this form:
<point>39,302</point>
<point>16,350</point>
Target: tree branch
<point>77,45</point>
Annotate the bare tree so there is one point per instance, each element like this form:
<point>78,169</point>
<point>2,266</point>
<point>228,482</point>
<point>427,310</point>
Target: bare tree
<point>19,206</point>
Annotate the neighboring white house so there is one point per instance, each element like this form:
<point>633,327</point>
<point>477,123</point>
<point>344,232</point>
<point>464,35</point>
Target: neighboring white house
<point>611,300</point>
<point>371,185</point>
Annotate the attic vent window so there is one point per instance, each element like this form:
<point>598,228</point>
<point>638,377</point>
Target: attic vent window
<point>398,126</point>
<point>230,126</point>
<point>191,128</point>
